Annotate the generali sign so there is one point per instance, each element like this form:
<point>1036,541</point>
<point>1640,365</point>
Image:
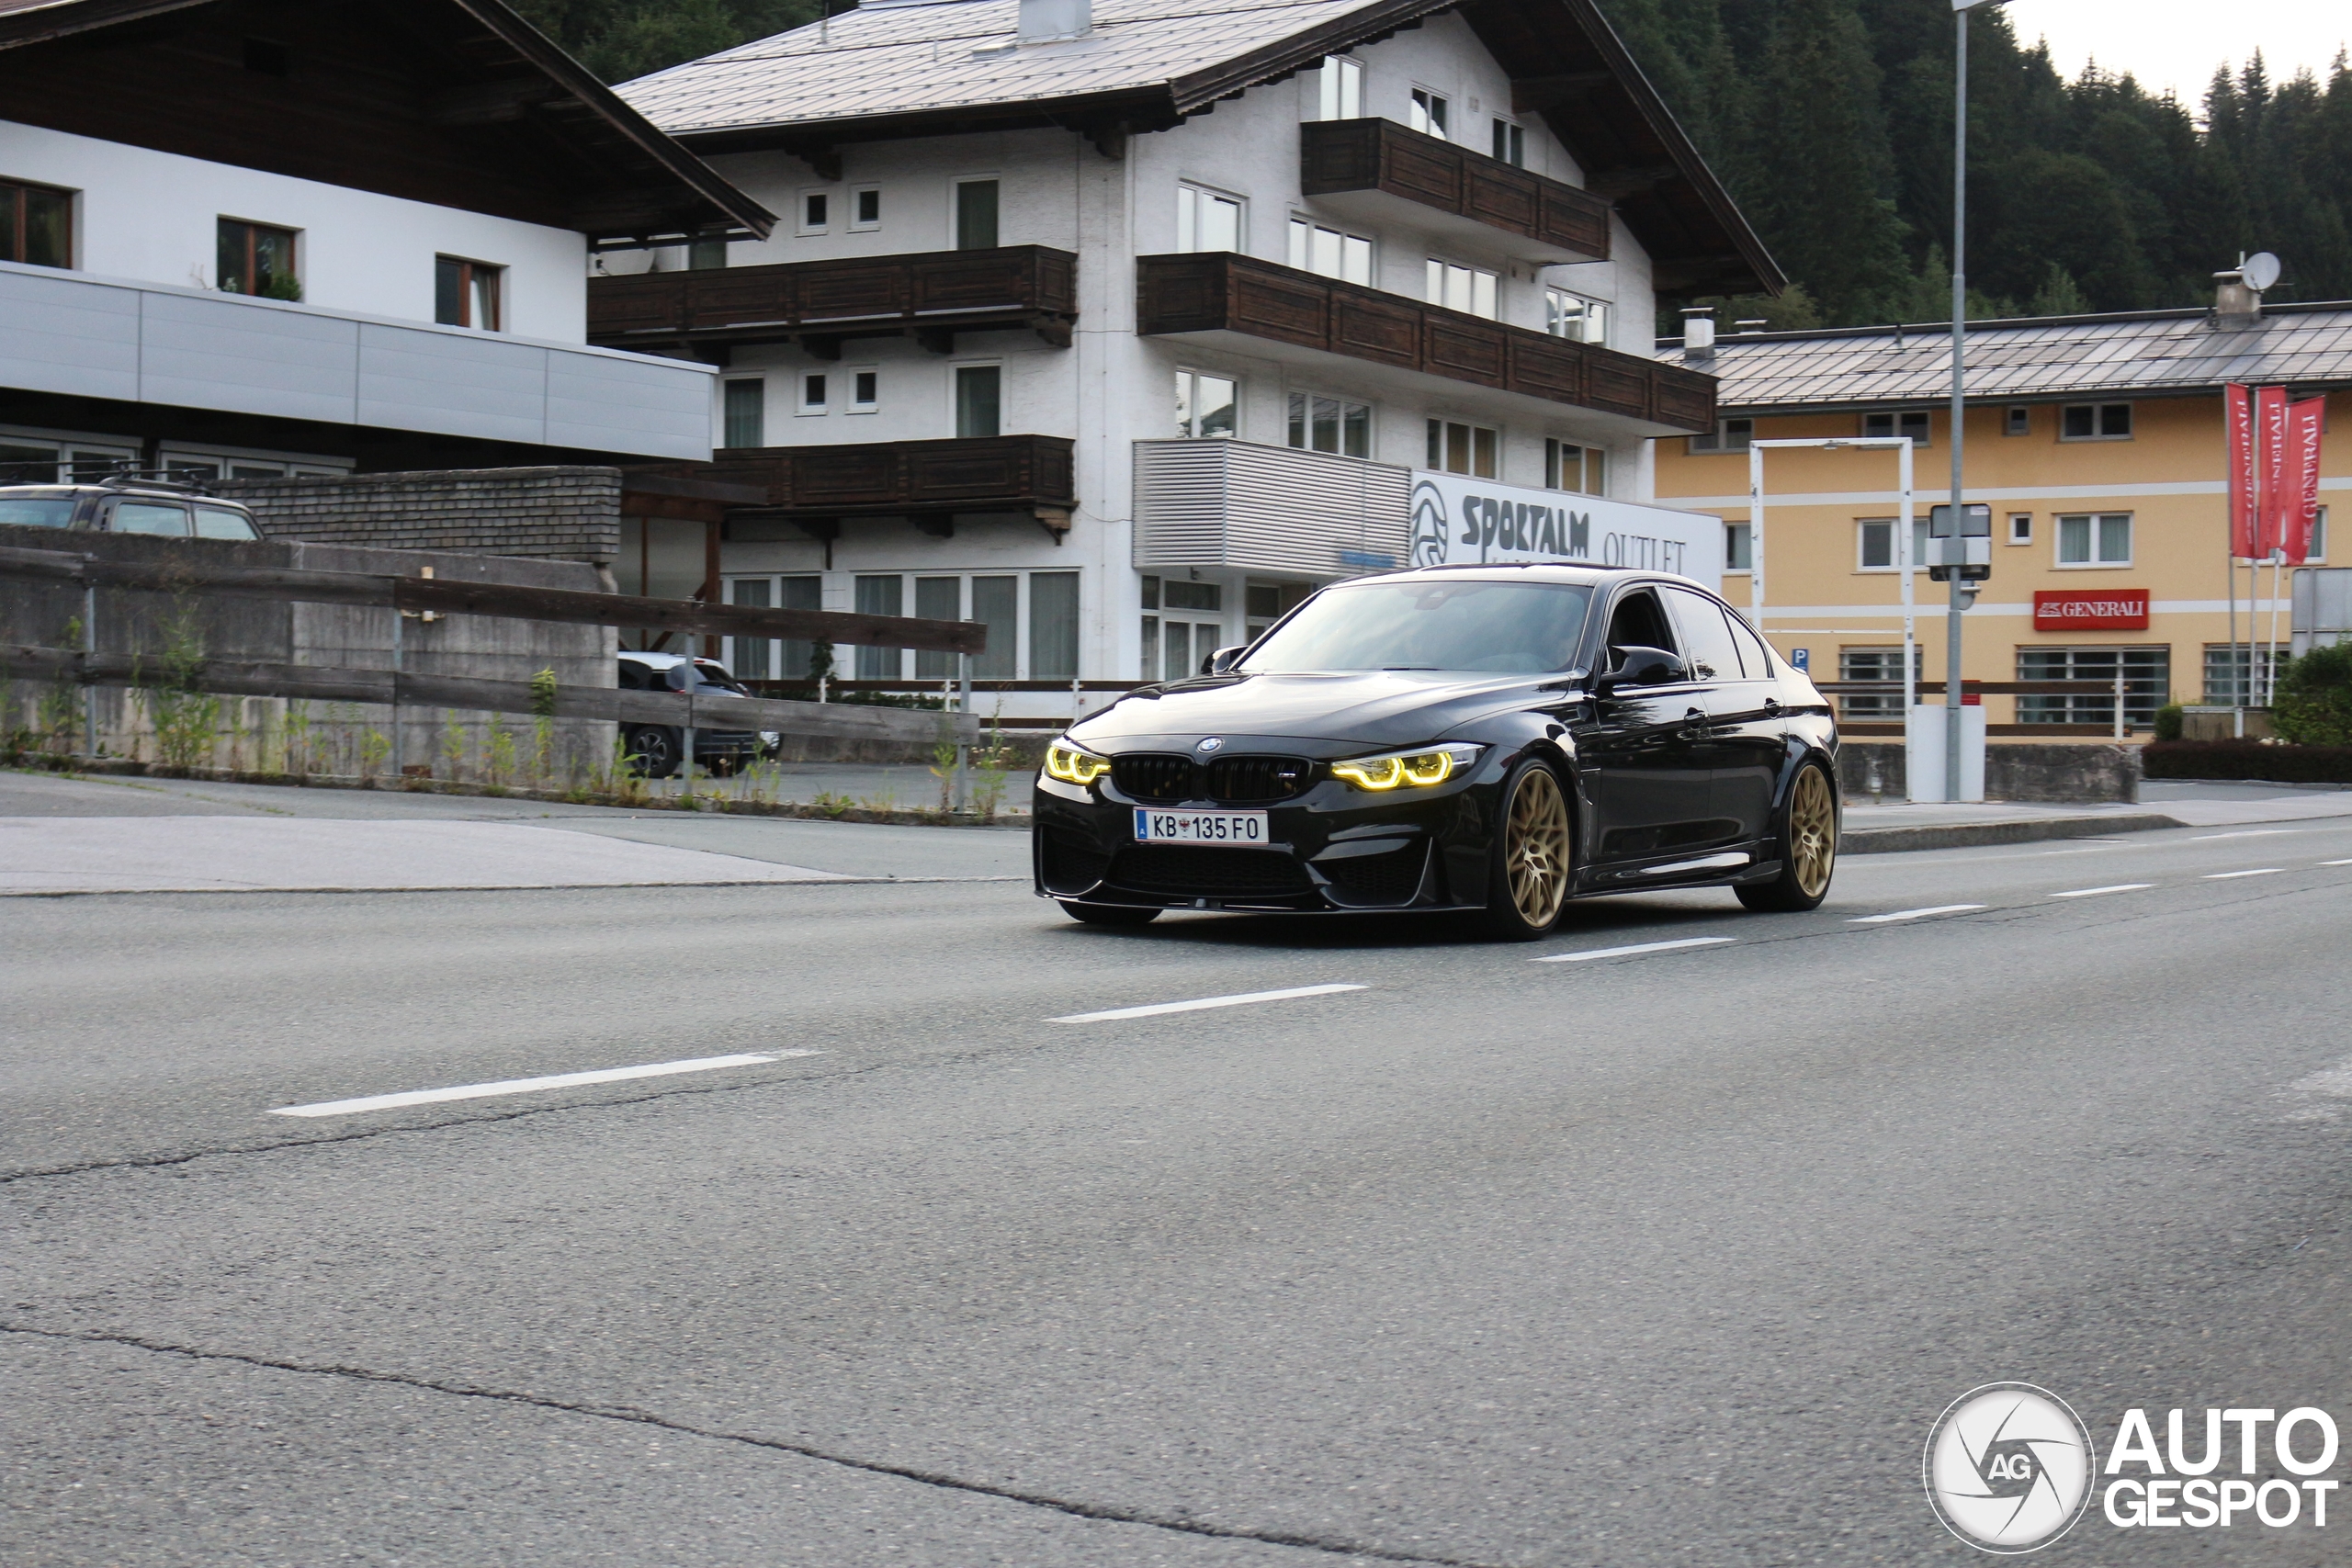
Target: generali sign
<point>2108,610</point>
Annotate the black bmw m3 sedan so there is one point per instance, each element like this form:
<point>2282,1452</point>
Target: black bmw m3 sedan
<point>1494,739</point>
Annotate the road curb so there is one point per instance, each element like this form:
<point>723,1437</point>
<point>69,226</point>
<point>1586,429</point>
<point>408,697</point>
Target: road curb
<point>1969,835</point>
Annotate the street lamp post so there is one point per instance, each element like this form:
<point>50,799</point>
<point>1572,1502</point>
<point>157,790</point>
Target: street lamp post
<point>1958,548</point>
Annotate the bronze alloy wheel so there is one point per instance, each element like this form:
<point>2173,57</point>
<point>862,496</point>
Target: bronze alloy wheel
<point>1812,833</point>
<point>1535,854</point>
<point>1808,847</point>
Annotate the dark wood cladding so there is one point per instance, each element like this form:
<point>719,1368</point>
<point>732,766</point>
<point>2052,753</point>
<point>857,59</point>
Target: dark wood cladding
<point>1015,286</point>
<point>1340,155</point>
<point>1218,291</point>
<point>995,473</point>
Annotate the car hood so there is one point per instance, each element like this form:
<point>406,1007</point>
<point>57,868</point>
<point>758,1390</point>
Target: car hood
<point>1342,712</point>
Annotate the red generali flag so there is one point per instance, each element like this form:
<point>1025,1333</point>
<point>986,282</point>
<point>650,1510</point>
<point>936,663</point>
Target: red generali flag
<point>2245,490</point>
<point>2300,503</point>
<point>2270,418</point>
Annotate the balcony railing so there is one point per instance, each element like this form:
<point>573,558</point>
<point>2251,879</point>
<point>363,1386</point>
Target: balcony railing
<point>926,479</point>
<point>933,295</point>
<point>1238,505</point>
<point>1220,291</point>
<point>1368,164</point>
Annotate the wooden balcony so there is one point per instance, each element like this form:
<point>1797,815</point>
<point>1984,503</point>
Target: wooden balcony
<point>1382,170</point>
<point>1218,292</point>
<point>812,488</point>
<point>933,295</point>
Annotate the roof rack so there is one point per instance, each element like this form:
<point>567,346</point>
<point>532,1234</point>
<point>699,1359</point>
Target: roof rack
<point>181,480</point>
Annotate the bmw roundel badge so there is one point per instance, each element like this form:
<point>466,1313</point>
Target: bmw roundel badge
<point>1211,744</point>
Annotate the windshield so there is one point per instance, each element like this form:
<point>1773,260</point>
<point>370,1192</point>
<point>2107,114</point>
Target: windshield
<point>1507,628</point>
<point>36,511</point>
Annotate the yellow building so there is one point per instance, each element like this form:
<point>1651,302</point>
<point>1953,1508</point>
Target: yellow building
<point>2098,444</point>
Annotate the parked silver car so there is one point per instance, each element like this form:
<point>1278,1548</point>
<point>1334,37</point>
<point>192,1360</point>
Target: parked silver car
<point>654,748</point>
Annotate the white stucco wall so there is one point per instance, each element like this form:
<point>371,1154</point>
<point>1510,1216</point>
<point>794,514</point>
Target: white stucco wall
<point>152,216</point>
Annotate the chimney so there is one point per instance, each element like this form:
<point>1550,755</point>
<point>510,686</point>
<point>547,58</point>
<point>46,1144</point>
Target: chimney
<point>1048,21</point>
<point>1698,334</point>
<point>2236,304</point>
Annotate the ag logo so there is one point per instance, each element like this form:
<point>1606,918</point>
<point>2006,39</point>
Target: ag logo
<point>1428,542</point>
<point>2008,1468</point>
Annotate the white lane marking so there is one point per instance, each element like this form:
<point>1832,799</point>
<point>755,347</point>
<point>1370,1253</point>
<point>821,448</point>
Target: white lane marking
<point>2323,863</point>
<point>2259,871</point>
<point>2242,833</point>
<point>527,1086</point>
<point>2095,892</point>
<point>1205,1002</point>
<point>1912,914</point>
<point>1637,947</point>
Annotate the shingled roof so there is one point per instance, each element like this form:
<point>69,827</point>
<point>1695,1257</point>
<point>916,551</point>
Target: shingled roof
<point>2136,354</point>
<point>897,68</point>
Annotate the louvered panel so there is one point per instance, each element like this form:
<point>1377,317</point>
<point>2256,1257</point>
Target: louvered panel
<point>1271,509</point>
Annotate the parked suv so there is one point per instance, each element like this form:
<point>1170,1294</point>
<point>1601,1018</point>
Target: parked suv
<point>655,748</point>
<point>128,503</point>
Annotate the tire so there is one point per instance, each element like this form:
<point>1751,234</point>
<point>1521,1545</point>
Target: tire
<point>1808,848</point>
<point>652,753</point>
<point>1108,914</point>
<point>1533,856</point>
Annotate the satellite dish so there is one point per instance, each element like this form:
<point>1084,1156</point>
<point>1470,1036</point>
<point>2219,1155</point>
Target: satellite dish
<point>2261,270</point>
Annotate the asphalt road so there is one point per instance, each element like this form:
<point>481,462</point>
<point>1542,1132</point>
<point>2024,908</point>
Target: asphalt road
<point>1670,1256</point>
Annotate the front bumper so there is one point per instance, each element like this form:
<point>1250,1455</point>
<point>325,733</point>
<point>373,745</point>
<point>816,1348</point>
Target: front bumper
<point>1333,848</point>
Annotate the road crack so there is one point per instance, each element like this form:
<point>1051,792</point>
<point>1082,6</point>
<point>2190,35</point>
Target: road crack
<point>1099,1512</point>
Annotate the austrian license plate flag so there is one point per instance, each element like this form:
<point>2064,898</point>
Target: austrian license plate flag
<point>1246,829</point>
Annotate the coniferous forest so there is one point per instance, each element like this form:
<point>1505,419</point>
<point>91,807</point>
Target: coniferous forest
<point>1830,121</point>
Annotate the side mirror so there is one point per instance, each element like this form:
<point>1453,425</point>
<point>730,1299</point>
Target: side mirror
<point>1638,666</point>
<point>1224,659</point>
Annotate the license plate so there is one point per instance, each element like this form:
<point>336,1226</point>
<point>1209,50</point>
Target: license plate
<point>1245,828</point>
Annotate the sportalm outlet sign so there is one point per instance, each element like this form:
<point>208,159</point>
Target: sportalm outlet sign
<point>1460,520</point>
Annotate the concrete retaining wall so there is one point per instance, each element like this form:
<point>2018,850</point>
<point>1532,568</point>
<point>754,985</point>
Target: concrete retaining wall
<point>2044,772</point>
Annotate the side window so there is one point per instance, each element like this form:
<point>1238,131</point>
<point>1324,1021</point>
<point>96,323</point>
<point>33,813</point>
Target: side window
<point>1706,637</point>
<point>1753,655</point>
<point>150,517</point>
<point>632,675</point>
<point>222,522</point>
<point>1640,622</point>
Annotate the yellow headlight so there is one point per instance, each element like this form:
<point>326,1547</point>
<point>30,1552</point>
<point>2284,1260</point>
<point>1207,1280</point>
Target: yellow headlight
<point>1420,769</point>
<point>1067,764</point>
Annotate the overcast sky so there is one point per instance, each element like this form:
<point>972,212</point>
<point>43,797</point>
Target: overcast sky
<point>2177,43</point>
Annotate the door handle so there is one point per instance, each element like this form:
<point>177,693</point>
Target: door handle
<point>1694,724</point>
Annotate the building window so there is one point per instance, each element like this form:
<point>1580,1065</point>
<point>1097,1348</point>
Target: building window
<point>1467,289</point>
<point>1466,449</point>
<point>1728,435</point>
<point>1429,114</point>
<point>746,414</point>
<point>865,391</point>
<point>1511,144</point>
<point>254,258</point>
<point>1340,93</point>
<point>815,391</point>
<point>865,208</point>
<point>707,253</point>
<point>815,212</point>
<point>2318,551</point>
<point>2097,539</point>
<point>1739,547</point>
<point>748,658</point>
<point>2147,685</point>
<point>880,595</point>
<point>1207,405</point>
<point>938,599</point>
<point>1876,665</point>
<point>1205,220</point>
<point>1053,626</point>
<point>1874,547</point>
<point>2226,674</point>
<point>2017,421</point>
<point>976,206</point>
<point>1331,253</point>
<point>35,225</point>
<point>995,605</point>
<point>1318,423</point>
<point>1190,627</point>
<point>1912,422</point>
<point>980,400</point>
<point>465,294</point>
<point>1574,317</point>
<point>2020,527</point>
<point>1566,466</point>
<point>2095,421</point>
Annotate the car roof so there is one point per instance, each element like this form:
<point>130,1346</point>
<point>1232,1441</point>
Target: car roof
<point>668,660</point>
<point>1542,572</point>
<point>145,491</point>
